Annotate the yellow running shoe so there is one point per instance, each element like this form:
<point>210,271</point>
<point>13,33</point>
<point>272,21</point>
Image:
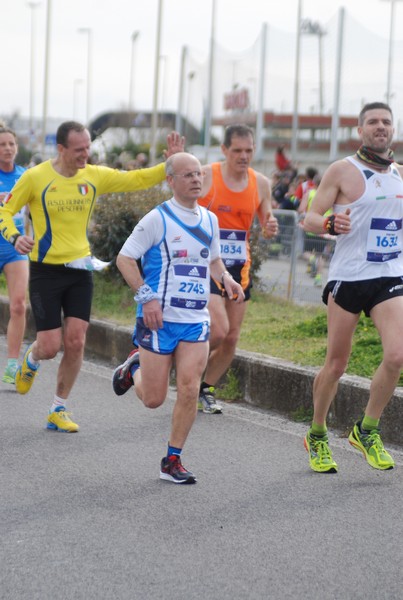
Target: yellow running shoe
<point>371,445</point>
<point>25,375</point>
<point>320,455</point>
<point>59,420</point>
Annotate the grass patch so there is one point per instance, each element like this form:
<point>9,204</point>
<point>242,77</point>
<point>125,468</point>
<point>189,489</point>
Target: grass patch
<point>278,328</point>
<point>113,300</point>
<point>302,415</point>
<point>231,390</point>
<point>299,334</point>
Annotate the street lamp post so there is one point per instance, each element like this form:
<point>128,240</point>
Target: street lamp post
<point>134,37</point>
<point>309,27</point>
<point>32,6</point>
<point>46,77</point>
<point>179,112</point>
<point>389,80</point>
<point>77,83</point>
<point>260,96</point>
<point>88,32</point>
<point>163,72</point>
<point>154,116</point>
<point>336,102</point>
<point>209,102</point>
<point>190,77</point>
<point>295,119</point>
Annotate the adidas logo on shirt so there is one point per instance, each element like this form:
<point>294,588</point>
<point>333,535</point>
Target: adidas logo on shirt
<point>391,226</point>
<point>194,272</point>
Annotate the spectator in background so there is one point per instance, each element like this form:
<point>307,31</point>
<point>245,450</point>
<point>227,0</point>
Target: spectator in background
<point>317,248</point>
<point>306,185</point>
<point>290,201</point>
<point>307,197</point>
<point>141,160</point>
<point>280,188</point>
<point>36,159</point>
<point>275,179</point>
<point>13,264</point>
<point>281,160</point>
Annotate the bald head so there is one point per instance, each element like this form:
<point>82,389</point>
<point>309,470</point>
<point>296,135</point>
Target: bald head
<point>179,160</point>
<point>184,175</point>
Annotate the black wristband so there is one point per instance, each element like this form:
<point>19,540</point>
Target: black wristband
<point>328,225</point>
<point>13,238</point>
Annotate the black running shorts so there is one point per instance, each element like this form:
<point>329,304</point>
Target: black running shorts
<point>56,288</point>
<point>237,275</point>
<point>357,296</point>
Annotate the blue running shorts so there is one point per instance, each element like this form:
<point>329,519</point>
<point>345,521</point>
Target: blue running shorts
<point>165,340</point>
<point>9,255</point>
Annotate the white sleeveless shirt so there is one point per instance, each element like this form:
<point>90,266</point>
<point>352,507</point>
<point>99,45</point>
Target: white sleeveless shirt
<point>373,248</point>
<point>176,246</point>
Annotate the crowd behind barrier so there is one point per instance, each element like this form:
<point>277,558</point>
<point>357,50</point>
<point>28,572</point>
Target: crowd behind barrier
<point>296,263</point>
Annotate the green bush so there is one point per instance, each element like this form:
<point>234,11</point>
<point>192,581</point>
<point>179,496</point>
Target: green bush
<point>258,251</point>
<point>115,217</point>
<point>231,389</point>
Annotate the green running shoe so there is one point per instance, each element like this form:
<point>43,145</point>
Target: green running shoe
<point>371,446</point>
<point>9,375</point>
<point>320,455</point>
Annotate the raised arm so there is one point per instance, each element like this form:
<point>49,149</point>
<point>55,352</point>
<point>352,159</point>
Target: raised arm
<point>175,143</point>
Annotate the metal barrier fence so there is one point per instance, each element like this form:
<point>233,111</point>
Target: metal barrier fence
<point>297,262</point>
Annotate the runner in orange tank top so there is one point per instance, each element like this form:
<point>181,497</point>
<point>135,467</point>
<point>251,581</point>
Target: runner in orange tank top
<point>236,194</point>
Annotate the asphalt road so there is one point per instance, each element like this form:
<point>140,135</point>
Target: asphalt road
<point>85,516</point>
<point>274,275</point>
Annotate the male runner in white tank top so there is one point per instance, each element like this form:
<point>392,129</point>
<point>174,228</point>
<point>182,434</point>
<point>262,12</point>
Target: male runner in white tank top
<point>365,193</point>
<point>179,246</point>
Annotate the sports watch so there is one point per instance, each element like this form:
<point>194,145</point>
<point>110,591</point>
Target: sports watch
<point>13,238</point>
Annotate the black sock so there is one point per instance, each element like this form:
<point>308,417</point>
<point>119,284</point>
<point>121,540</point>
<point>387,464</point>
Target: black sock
<point>204,386</point>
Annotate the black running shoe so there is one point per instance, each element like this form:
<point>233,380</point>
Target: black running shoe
<point>122,379</point>
<point>173,470</point>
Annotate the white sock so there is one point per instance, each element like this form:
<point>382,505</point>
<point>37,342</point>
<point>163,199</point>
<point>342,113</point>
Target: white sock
<point>57,402</point>
<point>32,362</point>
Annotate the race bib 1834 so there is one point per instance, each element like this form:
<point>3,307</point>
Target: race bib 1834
<point>233,246</point>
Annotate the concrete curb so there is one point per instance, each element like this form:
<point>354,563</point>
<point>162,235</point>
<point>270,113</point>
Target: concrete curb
<point>265,382</point>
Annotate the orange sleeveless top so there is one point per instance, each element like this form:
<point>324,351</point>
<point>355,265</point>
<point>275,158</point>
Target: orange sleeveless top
<point>235,212</point>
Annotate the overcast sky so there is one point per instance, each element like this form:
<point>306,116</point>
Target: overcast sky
<point>112,22</point>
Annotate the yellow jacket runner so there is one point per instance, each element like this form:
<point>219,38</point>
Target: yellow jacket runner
<point>61,207</point>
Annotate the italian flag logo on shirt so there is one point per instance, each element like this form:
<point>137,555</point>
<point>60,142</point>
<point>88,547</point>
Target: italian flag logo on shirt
<point>83,189</point>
